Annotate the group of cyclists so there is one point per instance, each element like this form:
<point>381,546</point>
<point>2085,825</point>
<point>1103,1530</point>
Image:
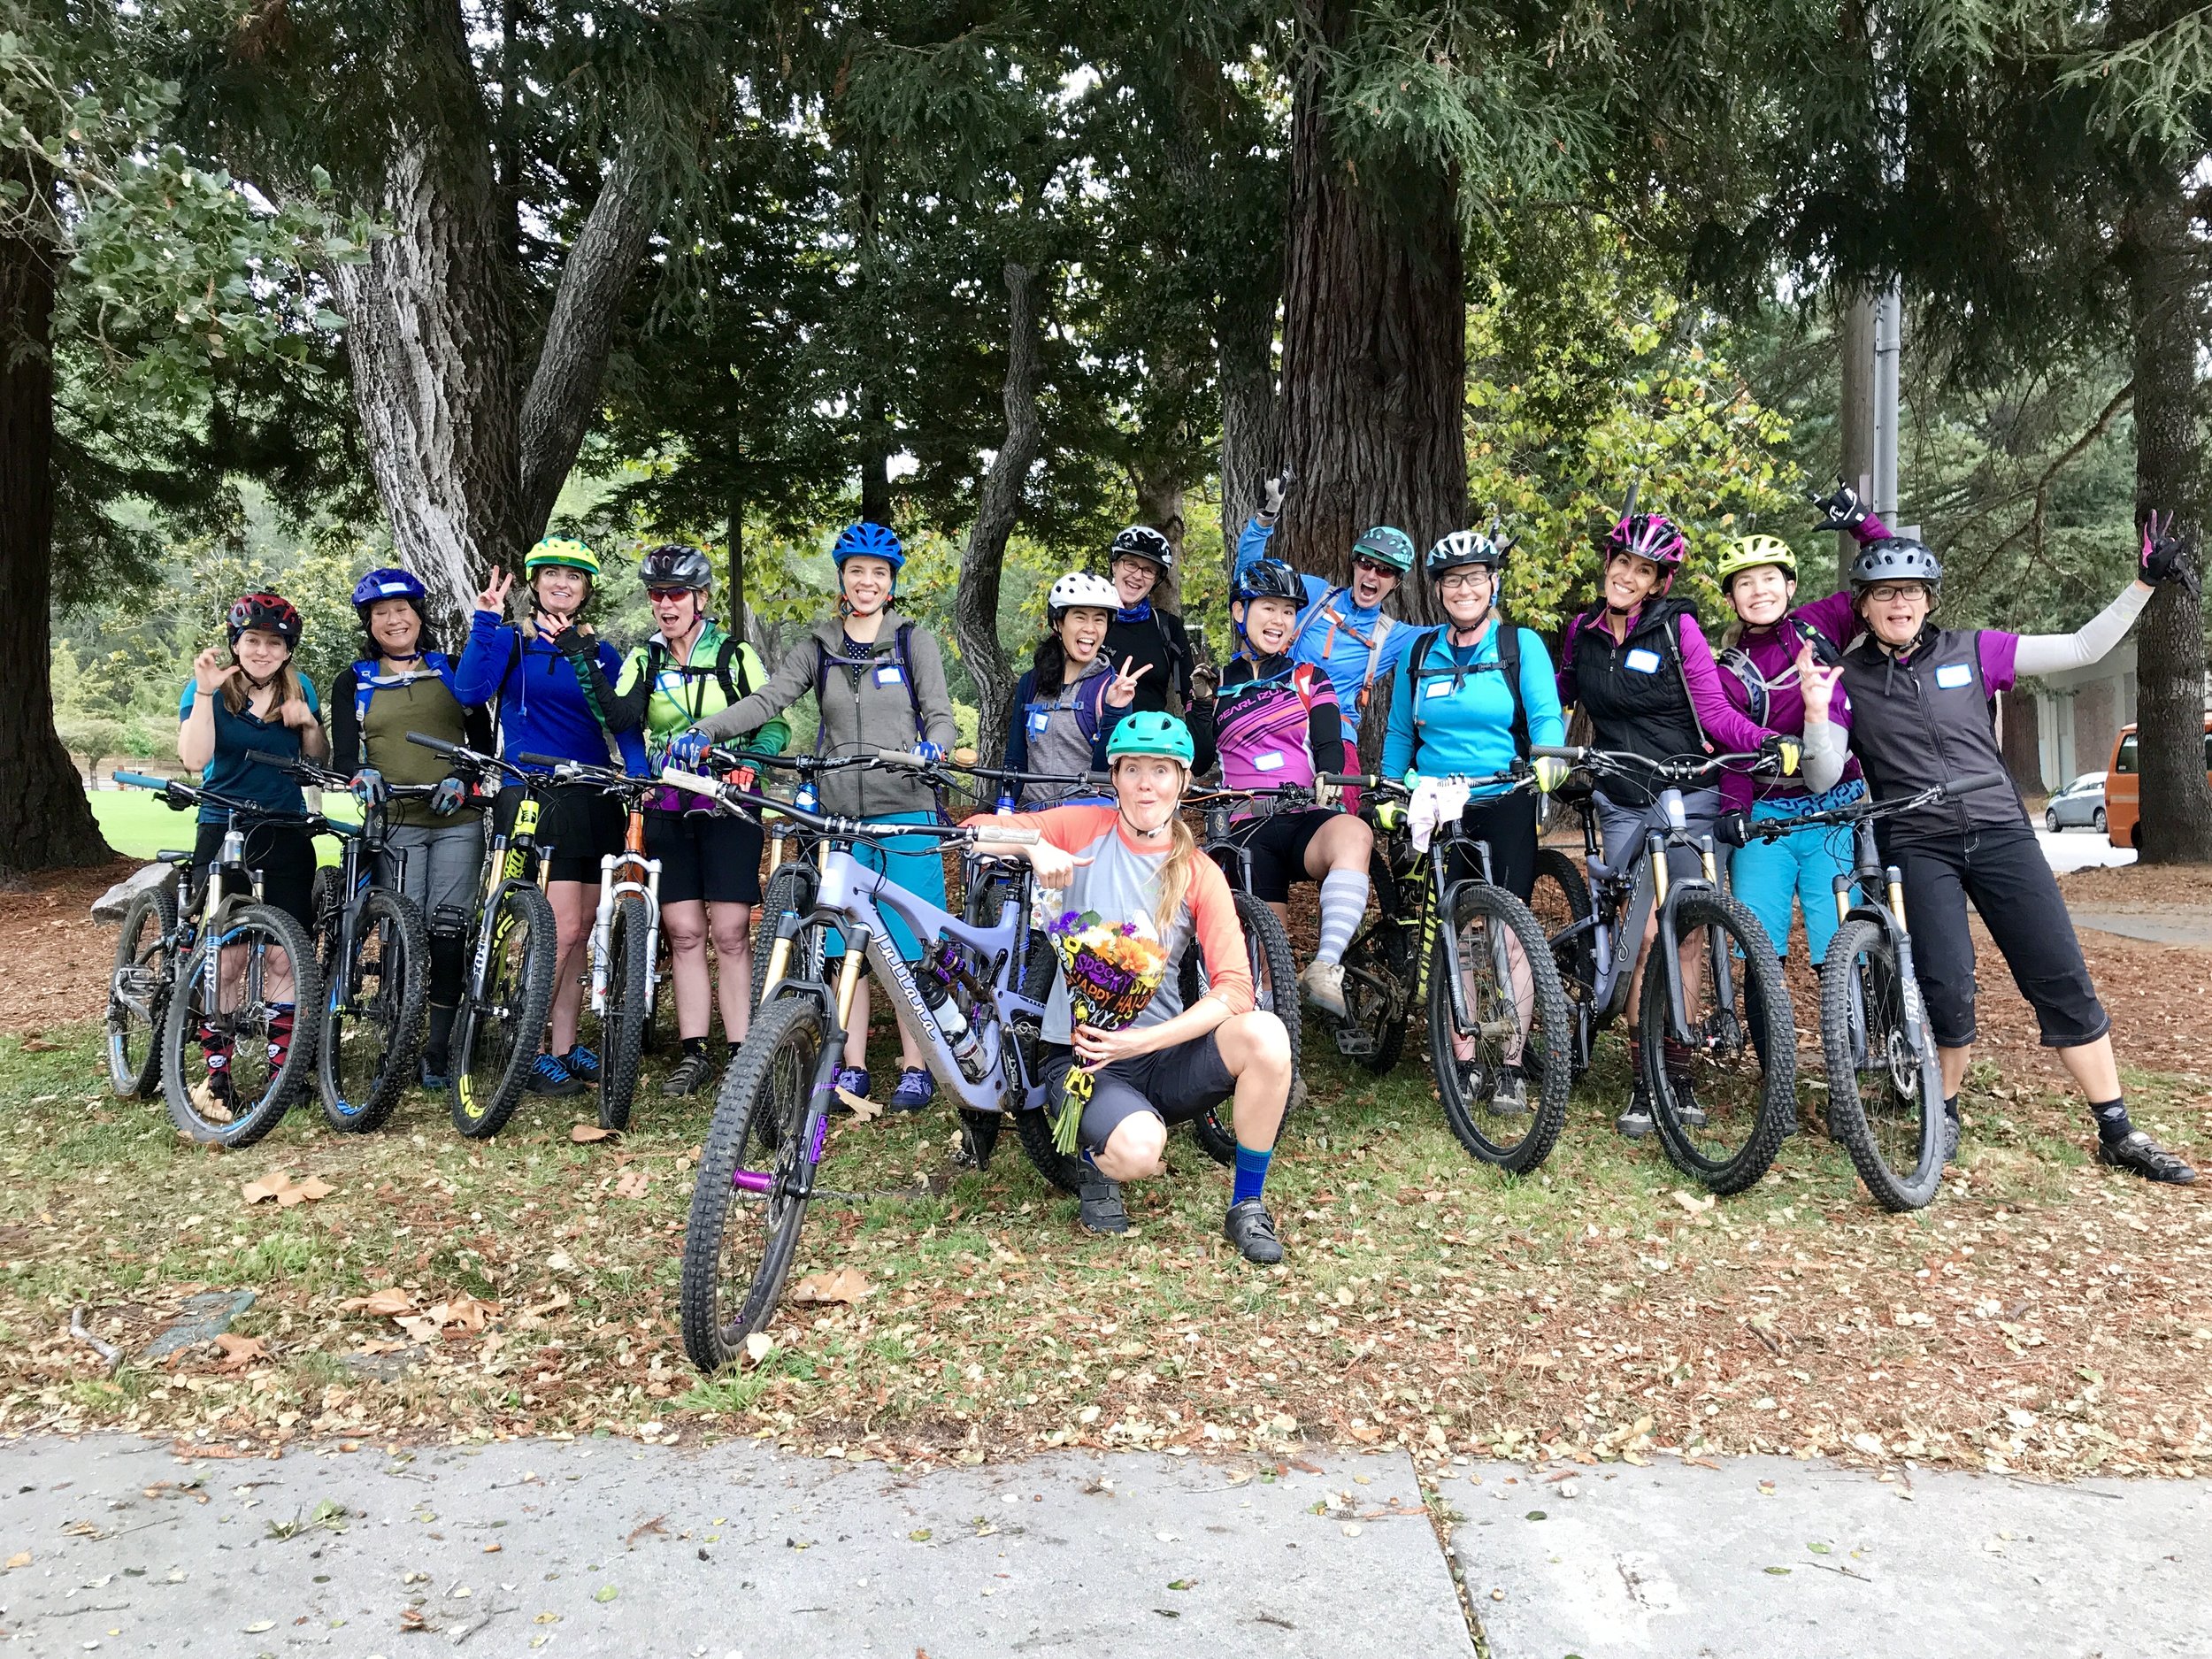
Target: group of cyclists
<point>1116,717</point>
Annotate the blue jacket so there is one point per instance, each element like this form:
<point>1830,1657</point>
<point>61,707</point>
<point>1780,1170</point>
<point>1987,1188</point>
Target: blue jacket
<point>543,706</point>
<point>1452,718</point>
<point>1335,635</point>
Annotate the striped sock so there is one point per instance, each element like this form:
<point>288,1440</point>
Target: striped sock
<point>1343,901</point>
<point>1251,1173</point>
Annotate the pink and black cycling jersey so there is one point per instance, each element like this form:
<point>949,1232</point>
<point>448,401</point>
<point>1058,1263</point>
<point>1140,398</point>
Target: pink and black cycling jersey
<point>1268,723</point>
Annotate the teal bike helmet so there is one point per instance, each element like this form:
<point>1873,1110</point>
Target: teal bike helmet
<point>1147,733</point>
<point>1386,544</point>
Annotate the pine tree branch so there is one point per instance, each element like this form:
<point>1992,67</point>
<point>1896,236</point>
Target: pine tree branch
<point>2040,490</point>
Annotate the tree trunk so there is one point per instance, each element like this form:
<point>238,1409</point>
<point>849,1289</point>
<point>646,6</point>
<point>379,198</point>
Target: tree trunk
<point>45,820</point>
<point>998,503</point>
<point>1374,345</point>
<point>1251,424</point>
<point>737,566</point>
<point>1160,505</point>
<point>2167,315</point>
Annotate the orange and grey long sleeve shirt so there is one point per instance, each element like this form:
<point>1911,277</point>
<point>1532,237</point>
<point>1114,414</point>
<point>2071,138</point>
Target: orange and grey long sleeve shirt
<point>1122,881</point>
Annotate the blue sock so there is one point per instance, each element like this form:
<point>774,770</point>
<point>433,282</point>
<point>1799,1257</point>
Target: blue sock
<point>1251,1173</point>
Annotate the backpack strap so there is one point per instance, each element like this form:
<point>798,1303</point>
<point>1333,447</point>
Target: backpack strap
<point>1509,666</point>
<point>1670,635</point>
<point>904,648</point>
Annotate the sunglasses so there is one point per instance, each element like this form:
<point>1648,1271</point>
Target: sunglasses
<point>1374,568</point>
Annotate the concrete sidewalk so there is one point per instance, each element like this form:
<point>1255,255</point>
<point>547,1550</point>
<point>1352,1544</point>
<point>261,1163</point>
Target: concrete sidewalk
<point>609,1548</point>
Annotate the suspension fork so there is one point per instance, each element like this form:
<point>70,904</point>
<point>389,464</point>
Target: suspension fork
<point>1670,941</point>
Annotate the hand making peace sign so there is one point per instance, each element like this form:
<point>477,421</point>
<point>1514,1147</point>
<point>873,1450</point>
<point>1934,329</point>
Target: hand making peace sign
<point>494,599</point>
<point>1123,691</point>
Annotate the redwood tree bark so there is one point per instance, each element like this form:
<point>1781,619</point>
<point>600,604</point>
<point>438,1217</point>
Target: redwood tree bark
<point>2167,313</point>
<point>1374,345</point>
<point>45,820</point>
<point>1251,424</point>
<point>998,503</point>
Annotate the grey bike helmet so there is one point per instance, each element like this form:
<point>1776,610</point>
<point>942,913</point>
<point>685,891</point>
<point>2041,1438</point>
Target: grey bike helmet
<point>1895,559</point>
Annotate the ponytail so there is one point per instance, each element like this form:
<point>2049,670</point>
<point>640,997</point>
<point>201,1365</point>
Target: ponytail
<point>1050,666</point>
<point>1175,874</point>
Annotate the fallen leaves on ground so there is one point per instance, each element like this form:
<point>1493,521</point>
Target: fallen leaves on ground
<point>278,1185</point>
<point>384,1303</point>
<point>846,1285</point>
<point>240,1351</point>
<point>584,1134</point>
<point>632,1184</point>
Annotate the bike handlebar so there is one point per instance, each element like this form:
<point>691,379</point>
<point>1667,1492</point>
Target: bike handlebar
<point>1674,771</point>
<point>140,781</point>
<point>1737,830</point>
<point>326,778</point>
<point>466,755</point>
<point>732,799</point>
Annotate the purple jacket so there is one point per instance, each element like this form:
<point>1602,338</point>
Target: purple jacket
<point>1773,652</point>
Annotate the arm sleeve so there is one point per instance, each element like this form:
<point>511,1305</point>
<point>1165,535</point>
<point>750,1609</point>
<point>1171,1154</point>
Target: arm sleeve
<point>793,675</point>
<point>483,665</point>
<point>1832,616</point>
<point>345,731</point>
<point>1219,937</point>
<point>1324,727</point>
<point>1397,755</point>
<point>929,668</point>
<point>1827,751</point>
<point>1252,545</point>
<point>1539,694</point>
<point>1018,727</point>
<point>1723,723</point>
<point>1205,736</point>
<point>2049,653</point>
<point>596,672</point>
<point>633,693</point>
<point>773,735</point>
<point>1872,528</point>
<point>1570,693</point>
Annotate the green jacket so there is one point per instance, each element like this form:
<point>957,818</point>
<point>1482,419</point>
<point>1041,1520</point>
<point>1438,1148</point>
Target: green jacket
<point>671,698</point>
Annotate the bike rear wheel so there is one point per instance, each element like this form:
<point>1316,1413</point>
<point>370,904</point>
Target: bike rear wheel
<point>1559,900</point>
<point>629,1004</point>
<point>372,1013</point>
<point>1884,1097</point>
<point>244,1090</point>
<point>739,1243</point>
<point>1740,1068</point>
<point>138,992</point>
<point>1505,1097</point>
<point>791,888</point>
<point>496,1033</point>
<point>1274,991</point>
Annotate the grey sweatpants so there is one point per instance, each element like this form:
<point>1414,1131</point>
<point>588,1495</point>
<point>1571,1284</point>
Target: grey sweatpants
<point>437,865</point>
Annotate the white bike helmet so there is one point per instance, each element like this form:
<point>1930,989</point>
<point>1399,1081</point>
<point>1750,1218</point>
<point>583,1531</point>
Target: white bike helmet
<point>1080,587</point>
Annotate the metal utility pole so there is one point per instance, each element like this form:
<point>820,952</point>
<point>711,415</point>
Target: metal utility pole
<point>1889,330</point>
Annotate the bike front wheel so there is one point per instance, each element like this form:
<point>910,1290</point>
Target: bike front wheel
<point>496,1034</point>
<point>138,992</point>
<point>1503,1074</point>
<point>1560,900</point>
<point>1885,1094</point>
<point>372,1013</point>
<point>240,1006</point>
<point>629,1004</point>
<point>1274,991</point>
<point>746,1209</point>
<point>1724,1101</point>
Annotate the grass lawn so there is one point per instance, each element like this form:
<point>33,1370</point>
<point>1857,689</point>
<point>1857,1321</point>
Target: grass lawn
<point>138,825</point>
<point>2045,1316</point>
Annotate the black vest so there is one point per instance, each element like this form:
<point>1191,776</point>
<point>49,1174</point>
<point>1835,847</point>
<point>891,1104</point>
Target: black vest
<point>1918,720</point>
<point>1635,692</point>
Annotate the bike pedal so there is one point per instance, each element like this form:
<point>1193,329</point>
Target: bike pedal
<point>1352,1041</point>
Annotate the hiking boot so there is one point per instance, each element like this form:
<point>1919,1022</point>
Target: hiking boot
<point>548,1076</point>
<point>1510,1098</point>
<point>1101,1209</point>
<point>1252,1230</point>
<point>853,1080</point>
<point>1635,1122</point>
<point>1323,985</point>
<point>1951,1137</point>
<point>2140,1155</point>
<point>582,1063</point>
<point>914,1090</point>
<point>1687,1112</point>
<point>436,1060</point>
<point>692,1073</point>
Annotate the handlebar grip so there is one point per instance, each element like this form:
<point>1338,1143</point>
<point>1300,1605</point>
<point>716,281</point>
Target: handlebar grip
<point>1979,781</point>
<point>900,757</point>
<point>691,782</point>
<point>545,760</point>
<point>1540,751</point>
<point>140,781</point>
<point>282,762</point>
<point>437,744</point>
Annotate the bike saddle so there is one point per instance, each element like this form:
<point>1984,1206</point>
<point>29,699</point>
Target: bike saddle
<point>170,856</point>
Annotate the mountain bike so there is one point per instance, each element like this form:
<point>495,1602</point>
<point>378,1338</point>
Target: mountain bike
<point>792,875</point>
<point>508,992</point>
<point>758,1174</point>
<point>1726,1011</point>
<point>226,972</point>
<point>1470,954</point>
<point>625,932</point>
<point>372,950</point>
<point>1885,1076</point>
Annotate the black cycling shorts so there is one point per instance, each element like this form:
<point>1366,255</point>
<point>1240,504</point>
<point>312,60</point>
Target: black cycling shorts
<point>707,855</point>
<point>1174,1084</point>
<point>580,826</point>
<point>1507,826</point>
<point>285,855</point>
<point>1277,844</point>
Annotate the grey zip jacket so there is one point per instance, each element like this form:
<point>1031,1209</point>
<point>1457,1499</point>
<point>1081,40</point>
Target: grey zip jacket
<point>862,708</point>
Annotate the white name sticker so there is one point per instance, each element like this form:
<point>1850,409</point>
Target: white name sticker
<point>1040,721</point>
<point>1438,688</point>
<point>1951,676</point>
<point>1643,662</point>
<point>1270,762</point>
<point>889,675</point>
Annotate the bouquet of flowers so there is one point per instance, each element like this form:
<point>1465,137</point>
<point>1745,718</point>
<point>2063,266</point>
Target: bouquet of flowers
<point>1111,971</point>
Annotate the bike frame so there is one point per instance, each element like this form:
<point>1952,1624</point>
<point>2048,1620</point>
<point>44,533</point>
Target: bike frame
<point>628,871</point>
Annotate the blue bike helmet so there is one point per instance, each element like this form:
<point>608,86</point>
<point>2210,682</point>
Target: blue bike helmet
<point>389,584</point>
<point>869,541</point>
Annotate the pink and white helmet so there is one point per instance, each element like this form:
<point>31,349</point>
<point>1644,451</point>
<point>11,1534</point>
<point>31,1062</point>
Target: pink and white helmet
<point>1648,535</point>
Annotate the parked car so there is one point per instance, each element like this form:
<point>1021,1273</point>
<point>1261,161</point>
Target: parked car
<point>2080,803</point>
<point>2123,788</point>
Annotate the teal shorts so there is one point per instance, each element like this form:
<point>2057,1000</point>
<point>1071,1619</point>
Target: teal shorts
<point>915,863</point>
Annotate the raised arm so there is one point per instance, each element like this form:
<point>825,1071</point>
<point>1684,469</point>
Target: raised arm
<point>794,677</point>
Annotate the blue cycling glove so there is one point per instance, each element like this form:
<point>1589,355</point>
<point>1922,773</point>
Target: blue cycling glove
<point>368,786</point>
<point>446,799</point>
<point>930,751</point>
<point>689,749</point>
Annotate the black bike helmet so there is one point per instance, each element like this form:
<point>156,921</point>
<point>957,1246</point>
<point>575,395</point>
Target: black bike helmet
<point>1142,541</point>
<point>1895,559</point>
<point>673,565</point>
<point>1269,579</point>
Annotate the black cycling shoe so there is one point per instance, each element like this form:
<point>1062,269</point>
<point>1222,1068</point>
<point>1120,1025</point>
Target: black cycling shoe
<point>695,1072</point>
<point>1635,1122</point>
<point>1101,1209</point>
<point>1951,1137</point>
<point>1252,1230</point>
<point>2137,1154</point>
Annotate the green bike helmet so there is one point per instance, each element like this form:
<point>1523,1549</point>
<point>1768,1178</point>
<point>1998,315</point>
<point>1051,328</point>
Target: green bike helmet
<point>1386,544</point>
<point>559,551</point>
<point>1751,553</point>
<point>1146,733</point>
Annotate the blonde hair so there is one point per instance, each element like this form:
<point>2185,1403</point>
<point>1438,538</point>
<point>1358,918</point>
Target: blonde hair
<point>237,693</point>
